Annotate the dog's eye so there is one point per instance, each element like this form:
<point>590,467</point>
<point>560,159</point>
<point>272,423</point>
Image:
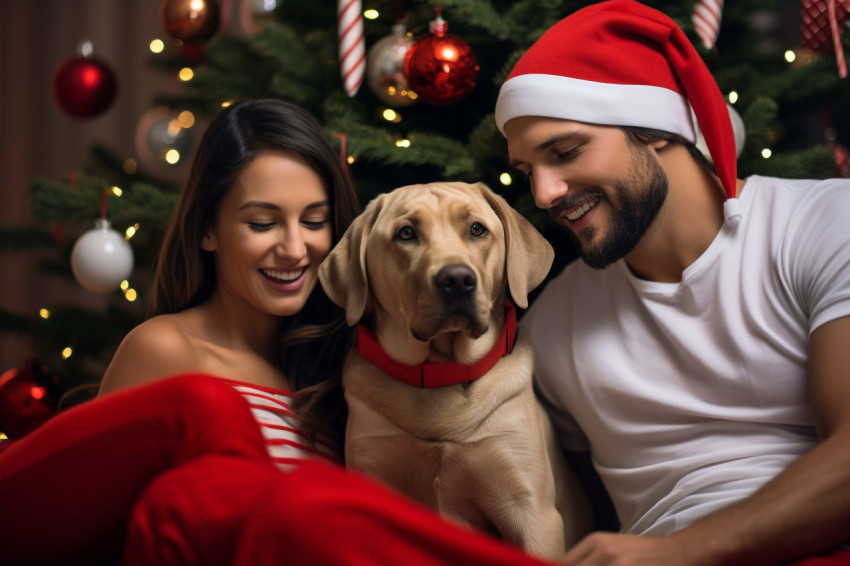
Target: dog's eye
<point>406,233</point>
<point>477,229</point>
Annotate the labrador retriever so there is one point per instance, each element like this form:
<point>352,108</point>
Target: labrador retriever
<point>439,387</point>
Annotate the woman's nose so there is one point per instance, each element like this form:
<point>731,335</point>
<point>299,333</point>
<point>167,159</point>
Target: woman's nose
<point>291,244</point>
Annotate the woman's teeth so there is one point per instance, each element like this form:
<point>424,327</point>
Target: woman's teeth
<point>283,275</point>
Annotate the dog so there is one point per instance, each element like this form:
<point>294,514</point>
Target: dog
<point>440,397</point>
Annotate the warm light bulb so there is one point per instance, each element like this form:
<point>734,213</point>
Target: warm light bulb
<point>186,119</point>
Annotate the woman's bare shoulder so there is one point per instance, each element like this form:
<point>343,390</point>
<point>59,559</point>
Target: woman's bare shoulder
<point>157,348</point>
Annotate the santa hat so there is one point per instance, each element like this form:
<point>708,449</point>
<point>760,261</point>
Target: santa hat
<point>622,63</point>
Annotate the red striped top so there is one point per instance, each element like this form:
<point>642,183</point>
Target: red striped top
<point>288,445</point>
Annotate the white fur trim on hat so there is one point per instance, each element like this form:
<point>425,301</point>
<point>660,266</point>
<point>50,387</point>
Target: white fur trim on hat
<point>567,98</point>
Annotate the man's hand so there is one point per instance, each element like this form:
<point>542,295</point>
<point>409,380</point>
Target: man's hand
<point>611,549</point>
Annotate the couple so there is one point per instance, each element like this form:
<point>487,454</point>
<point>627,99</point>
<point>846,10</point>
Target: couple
<point>696,359</point>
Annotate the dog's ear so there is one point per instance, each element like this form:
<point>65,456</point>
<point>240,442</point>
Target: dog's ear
<point>528,255</point>
<point>343,272</point>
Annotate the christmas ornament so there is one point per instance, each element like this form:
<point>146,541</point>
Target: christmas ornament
<point>822,23</point>
<point>738,130</point>
<point>190,21</point>
<point>159,132</point>
<point>254,14</point>
<point>84,86</point>
<point>194,53</point>
<point>842,160</point>
<point>101,259</point>
<point>441,67</point>
<point>352,45</point>
<point>385,68</point>
<point>29,396</point>
<point>706,20</point>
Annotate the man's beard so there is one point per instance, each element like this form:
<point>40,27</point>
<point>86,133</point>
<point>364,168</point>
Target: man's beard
<point>640,196</point>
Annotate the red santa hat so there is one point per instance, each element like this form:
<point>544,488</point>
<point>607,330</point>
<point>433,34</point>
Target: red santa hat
<point>622,63</point>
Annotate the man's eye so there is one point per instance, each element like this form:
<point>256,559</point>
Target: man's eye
<point>567,155</point>
<point>477,229</point>
<point>406,233</point>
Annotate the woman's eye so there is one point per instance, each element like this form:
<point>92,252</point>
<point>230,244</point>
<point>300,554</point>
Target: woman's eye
<point>406,233</point>
<point>260,226</point>
<point>477,229</point>
<point>315,224</point>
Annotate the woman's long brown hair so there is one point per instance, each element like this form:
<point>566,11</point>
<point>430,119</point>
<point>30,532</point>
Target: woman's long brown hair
<point>314,341</point>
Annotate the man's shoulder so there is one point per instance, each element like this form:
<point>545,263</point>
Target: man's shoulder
<point>759,187</point>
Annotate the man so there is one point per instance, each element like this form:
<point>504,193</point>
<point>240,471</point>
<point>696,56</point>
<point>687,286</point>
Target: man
<point>701,351</point>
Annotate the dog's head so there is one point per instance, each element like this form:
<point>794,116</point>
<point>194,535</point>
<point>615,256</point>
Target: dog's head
<point>437,257</point>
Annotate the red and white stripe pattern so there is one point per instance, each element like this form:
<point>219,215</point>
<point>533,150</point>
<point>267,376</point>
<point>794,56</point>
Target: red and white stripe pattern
<point>706,20</point>
<point>352,45</point>
<point>287,444</point>
<point>822,24</point>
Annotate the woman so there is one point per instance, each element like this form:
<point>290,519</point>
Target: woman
<point>168,465</point>
<point>236,292</point>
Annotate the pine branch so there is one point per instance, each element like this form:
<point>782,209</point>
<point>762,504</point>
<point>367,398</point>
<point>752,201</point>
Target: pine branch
<point>58,202</point>
<point>233,71</point>
<point>294,77</point>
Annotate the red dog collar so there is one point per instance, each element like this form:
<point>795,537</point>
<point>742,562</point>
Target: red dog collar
<point>429,374</point>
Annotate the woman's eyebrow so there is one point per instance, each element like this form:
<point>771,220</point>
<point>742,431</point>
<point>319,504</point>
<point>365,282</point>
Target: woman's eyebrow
<point>272,206</point>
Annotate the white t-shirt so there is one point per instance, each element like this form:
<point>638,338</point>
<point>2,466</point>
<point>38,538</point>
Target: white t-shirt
<point>692,395</point>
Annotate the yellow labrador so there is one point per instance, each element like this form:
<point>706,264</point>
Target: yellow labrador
<point>437,407</point>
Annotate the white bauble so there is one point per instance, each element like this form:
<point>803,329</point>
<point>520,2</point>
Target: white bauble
<point>101,259</point>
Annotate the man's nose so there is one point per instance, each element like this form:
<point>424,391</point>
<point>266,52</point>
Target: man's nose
<point>548,189</point>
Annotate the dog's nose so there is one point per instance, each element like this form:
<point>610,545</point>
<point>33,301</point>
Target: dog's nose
<point>456,280</point>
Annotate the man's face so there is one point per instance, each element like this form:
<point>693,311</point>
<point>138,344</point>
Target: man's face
<point>604,189</point>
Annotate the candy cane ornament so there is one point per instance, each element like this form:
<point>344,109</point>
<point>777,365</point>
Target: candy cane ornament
<point>706,20</point>
<point>352,45</point>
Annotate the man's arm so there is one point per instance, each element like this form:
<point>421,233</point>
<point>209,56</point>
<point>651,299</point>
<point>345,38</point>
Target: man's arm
<point>801,512</point>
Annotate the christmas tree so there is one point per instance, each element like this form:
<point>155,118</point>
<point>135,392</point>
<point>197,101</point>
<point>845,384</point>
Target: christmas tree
<point>405,124</point>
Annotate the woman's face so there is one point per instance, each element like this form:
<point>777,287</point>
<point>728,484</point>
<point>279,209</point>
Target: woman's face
<point>272,232</point>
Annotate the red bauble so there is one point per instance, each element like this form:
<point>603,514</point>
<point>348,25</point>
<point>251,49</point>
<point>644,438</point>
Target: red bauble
<point>84,86</point>
<point>28,397</point>
<point>190,21</point>
<point>842,160</point>
<point>440,67</point>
